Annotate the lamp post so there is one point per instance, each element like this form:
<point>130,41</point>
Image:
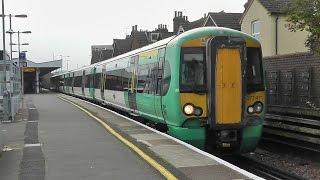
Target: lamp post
<point>19,44</point>
<point>18,63</point>
<point>61,56</point>
<point>10,24</point>
<point>6,117</point>
<point>67,64</point>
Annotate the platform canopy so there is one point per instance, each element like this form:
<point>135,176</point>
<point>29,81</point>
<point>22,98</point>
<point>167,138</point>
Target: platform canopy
<point>45,67</point>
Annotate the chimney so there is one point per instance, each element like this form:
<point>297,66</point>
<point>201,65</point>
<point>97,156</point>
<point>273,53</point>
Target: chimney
<point>136,27</point>
<point>186,18</point>
<point>205,15</point>
<point>178,21</point>
<point>132,28</point>
<point>175,13</point>
<point>247,4</point>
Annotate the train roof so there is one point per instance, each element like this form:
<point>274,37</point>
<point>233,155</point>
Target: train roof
<point>212,31</point>
<point>142,49</point>
<point>177,38</point>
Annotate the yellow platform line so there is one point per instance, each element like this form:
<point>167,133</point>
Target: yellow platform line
<point>167,174</point>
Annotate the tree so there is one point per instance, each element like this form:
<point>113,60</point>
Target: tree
<point>305,15</point>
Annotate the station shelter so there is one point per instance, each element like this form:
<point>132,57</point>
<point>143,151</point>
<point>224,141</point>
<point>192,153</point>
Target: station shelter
<point>33,73</point>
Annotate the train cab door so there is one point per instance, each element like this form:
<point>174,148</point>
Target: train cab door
<point>158,79</point>
<point>226,81</point>
<point>133,68</point>
<point>102,81</point>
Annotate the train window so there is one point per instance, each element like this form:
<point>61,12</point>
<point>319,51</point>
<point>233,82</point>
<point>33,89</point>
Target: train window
<point>143,79</point>
<point>125,78</point>
<point>97,79</point>
<point>114,80</point>
<point>166,78</point>
<point>87,81</point>
<point>254,70</point>
<point>77,81</point>
<point>152,76</point>
<point>192,69</point>
<point>159,76</point>
<point>67,79</point>
<point>118,81</point>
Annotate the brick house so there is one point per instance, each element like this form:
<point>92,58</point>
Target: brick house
<point>101,52</point>
<point>140,38</point>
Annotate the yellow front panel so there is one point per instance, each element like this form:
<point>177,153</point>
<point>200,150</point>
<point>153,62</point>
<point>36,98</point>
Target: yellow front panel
<point>228,86</point>
<point>199,42</point>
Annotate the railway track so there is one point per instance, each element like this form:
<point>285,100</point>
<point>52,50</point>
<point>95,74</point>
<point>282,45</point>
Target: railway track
<point>261,169</point>
<point>297,132</point>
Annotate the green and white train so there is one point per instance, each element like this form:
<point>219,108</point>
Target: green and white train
<point>205,86</point>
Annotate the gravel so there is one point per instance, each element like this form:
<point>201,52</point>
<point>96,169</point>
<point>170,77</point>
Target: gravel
<point>301,163</point>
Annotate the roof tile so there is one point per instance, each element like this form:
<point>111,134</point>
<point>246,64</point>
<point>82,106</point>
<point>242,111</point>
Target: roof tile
<point>275,6</point>
<point>228,20</point>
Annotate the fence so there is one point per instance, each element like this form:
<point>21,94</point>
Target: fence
<point>10,90</point>
<point>292,81</point>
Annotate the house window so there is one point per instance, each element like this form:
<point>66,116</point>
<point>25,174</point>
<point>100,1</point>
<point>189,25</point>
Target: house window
<point>256,25</point>
<point>154,37</point>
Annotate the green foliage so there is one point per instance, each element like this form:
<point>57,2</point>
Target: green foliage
<point>305,15</point>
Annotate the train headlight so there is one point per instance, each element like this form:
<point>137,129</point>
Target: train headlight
<point>198,111</point>
<point>250,110</point>
<point>188,109</point>
<point>258,107</point>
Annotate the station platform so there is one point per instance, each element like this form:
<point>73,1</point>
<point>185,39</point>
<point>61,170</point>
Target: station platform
<point>61,137</point>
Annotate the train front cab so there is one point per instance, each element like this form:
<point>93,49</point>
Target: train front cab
<point>222,94</point>
<point>235,94</point>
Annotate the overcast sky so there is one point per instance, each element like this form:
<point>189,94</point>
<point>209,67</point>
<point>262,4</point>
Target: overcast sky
<point>70,27</point>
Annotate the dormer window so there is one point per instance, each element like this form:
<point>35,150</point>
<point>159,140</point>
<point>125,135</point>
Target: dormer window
<point>255,28</point>
<point>181,30</point>
<point>154,37</point>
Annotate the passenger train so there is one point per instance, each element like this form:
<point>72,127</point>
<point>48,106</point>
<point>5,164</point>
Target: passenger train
<point>205,86</point>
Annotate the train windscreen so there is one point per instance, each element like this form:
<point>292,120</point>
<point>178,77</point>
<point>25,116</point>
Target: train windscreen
<point>192,70</point>
<point>254,70</point>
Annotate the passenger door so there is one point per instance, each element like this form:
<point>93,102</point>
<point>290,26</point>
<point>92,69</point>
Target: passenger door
<point>145,90</point>
<point>92,79</point>
<point>102,82</point>
<point>158,81</point>
<point>132,83</point>
<point>83,82</point>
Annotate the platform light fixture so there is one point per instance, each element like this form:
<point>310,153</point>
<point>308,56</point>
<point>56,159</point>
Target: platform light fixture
<point>10,30</point>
